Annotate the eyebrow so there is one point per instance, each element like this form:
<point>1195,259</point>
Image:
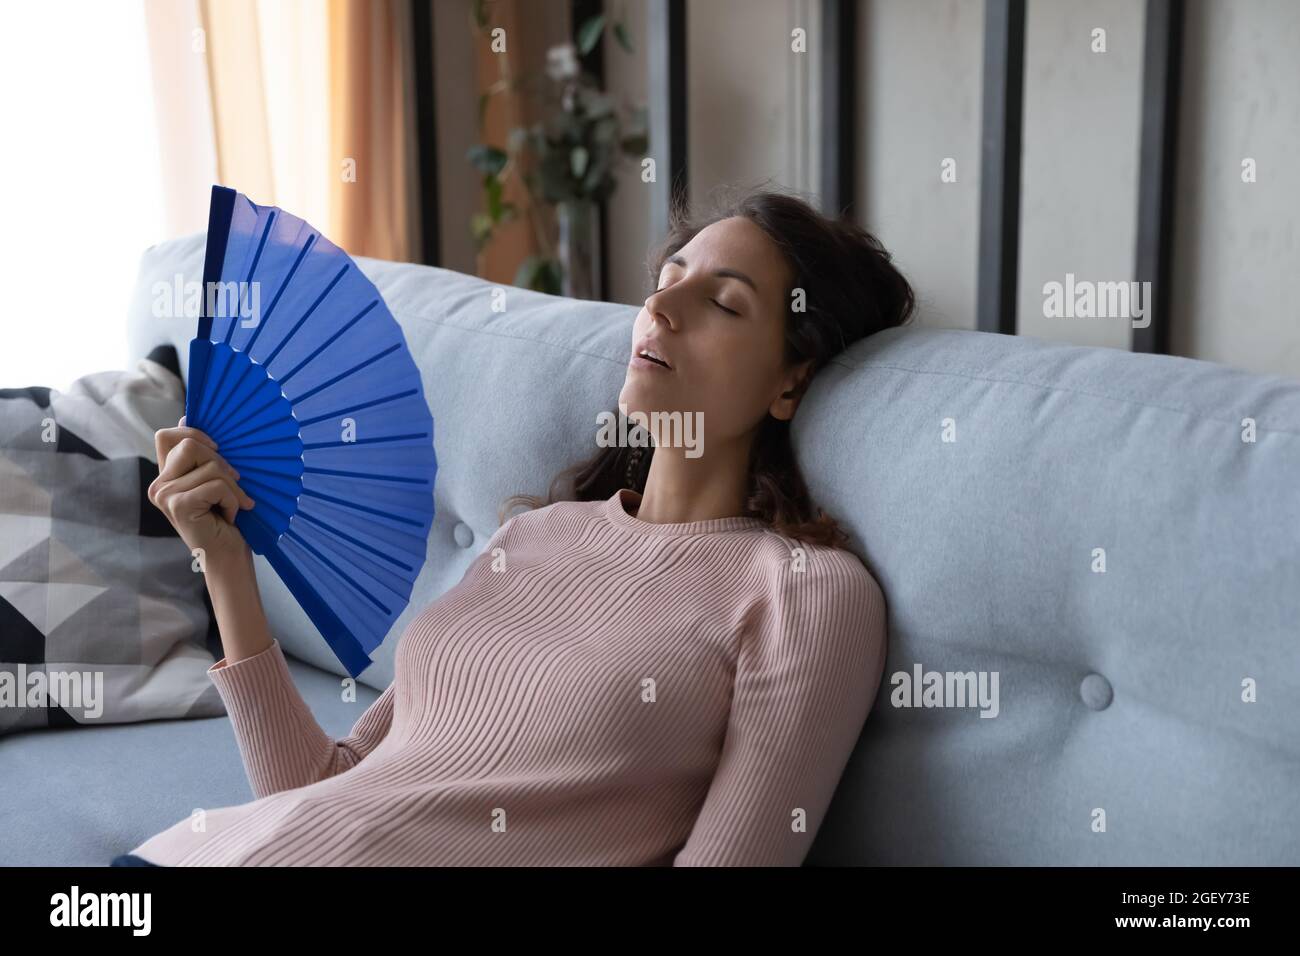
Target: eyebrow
<point>722,273</point>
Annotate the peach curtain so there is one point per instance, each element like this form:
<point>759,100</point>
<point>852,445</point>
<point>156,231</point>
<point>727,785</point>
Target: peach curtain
<point>307,105</point>
<point>372,127</point>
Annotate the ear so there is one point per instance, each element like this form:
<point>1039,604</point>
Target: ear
<point>793,385</point>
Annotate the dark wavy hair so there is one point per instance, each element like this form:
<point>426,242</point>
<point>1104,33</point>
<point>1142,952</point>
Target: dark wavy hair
<point>852,290</point>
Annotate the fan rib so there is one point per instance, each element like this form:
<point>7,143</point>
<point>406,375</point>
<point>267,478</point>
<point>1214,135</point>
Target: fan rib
<point>214,428</point>
<point>220,213</point>
<point>333,567</point>
<point>360,544</point>
<point>365,441</point>
<point>269,489</point>
<point>356,507</point>
<point>361,474</point>
<point>342,375</point>
<point>357,408</point>
<point>227,447</point>
<point>310,309</point>
<point>306,248</point>
<point>248,417</point>
<point>211,394</point>
<point>264,500</point>
<point>253,469</point>
<point>328,342</point>
<point>261,244</point>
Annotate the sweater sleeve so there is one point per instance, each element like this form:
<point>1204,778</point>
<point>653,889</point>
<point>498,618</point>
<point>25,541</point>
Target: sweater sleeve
<point>280,741</point>
<point>807,674</point>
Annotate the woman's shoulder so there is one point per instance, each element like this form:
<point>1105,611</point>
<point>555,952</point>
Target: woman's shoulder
<point>835,575</point>
<point>776,548</point>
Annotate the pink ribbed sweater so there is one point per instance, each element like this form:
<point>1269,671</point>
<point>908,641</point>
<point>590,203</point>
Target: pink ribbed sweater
<point>601,690</point>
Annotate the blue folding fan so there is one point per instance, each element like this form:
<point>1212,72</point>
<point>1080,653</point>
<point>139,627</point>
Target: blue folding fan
<point>301,375</point>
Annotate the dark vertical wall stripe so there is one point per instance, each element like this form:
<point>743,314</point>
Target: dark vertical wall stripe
<point>838,82</point>
<point>666,56</point>
<point>1157,168</point>
<point>426,130</point>
<point>1003,95</point>
<point>594,63</point>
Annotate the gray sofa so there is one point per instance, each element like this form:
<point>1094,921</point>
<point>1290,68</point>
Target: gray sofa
<point>1147,713</point>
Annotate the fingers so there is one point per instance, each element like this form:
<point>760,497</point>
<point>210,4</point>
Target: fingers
<point>188,505</point>
<point>163,488</point>
<point>165,439</point>
<point>190,453</point>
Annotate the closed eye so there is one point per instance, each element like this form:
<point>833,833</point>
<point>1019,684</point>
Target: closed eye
<point>714,301</point>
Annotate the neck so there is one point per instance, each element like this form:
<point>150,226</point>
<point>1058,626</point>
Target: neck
<point>680,489</point>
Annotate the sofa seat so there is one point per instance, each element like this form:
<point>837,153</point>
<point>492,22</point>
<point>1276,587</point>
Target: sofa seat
<point>79,796</point>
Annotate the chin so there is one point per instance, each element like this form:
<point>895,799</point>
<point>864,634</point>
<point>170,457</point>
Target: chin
<point>640,397</point>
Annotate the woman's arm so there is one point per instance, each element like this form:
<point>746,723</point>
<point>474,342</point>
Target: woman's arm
<point>282,744</point>
<point>280,741</point>
<point>237,603</point>
<point>806,678</point>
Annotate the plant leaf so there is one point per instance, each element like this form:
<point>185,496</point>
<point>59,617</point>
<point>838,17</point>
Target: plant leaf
<point>621,35</point>
<point>578,161</point>
<point>480,226</point>
<point>551,278</point>
<point>589,33</point>
<point>493,188</point>
<point>489,160</point>
<point>527,271</point>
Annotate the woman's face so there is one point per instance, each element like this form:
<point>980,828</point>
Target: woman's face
<point>718,320</point>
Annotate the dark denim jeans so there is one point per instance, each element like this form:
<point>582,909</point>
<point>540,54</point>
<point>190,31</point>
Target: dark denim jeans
<point>127,859</point>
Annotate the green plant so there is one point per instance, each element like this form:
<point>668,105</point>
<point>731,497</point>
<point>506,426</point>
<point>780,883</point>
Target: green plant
<point>574,150</point>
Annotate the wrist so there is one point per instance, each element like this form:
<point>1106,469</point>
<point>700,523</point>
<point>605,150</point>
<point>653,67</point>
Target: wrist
<point>225,561</point>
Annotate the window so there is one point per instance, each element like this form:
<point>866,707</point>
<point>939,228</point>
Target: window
<point>81,185</point>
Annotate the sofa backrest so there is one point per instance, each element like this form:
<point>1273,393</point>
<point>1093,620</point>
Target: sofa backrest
<point>1102,548</point>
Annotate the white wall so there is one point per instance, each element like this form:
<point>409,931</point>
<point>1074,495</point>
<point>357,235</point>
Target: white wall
<point>752,116</point>
<point>751,96</point>
<point>919,104</point>
<point>1238,251</point>
<point>1079,162</point>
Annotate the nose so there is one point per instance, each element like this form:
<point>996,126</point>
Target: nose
<point>654,307</point>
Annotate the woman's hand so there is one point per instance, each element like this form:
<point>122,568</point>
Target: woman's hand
<point>193,480</point>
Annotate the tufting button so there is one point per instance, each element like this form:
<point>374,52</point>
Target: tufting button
<point>1096,692</point>
<point>463,534</point>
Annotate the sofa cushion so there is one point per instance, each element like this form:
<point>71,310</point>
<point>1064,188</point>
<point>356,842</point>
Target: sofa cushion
<point>102,618</point>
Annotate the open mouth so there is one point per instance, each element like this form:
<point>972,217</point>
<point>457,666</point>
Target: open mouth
<point>650,356</point>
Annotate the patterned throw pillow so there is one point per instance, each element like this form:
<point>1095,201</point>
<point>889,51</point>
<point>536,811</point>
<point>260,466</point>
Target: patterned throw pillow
<point>102,618</point>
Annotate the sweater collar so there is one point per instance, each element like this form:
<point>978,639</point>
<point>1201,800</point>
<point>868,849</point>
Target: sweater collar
<point>617,506</point>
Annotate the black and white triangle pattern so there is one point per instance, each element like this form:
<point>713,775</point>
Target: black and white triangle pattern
<point>102,619</point>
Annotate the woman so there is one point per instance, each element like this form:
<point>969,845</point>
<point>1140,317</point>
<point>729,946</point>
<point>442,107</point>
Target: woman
<point>667,663</point>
